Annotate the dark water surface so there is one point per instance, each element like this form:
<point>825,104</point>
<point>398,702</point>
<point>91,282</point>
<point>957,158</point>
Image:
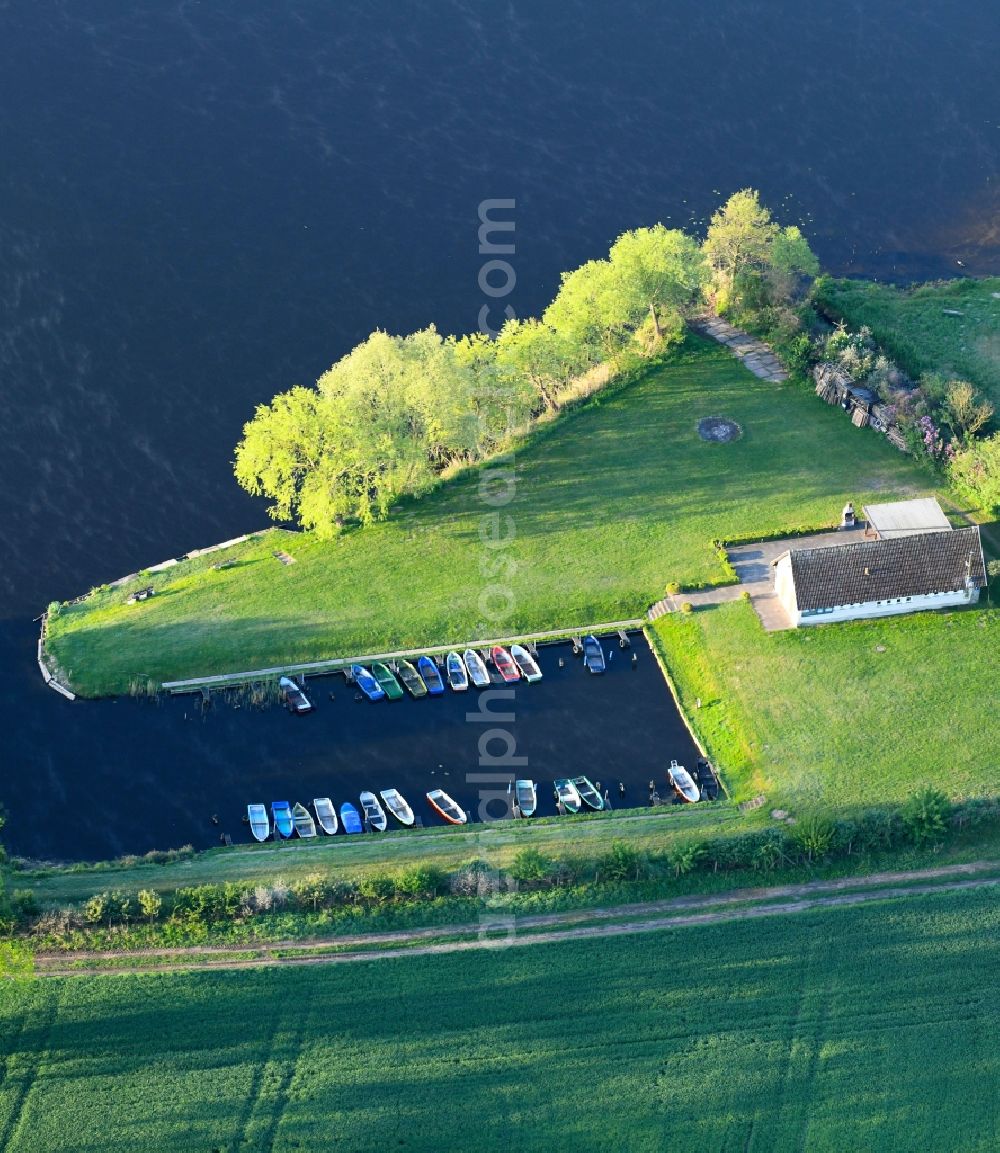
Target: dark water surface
<point>204,203</point>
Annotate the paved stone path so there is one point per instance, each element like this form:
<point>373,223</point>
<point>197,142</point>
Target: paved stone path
<point>757,356</point>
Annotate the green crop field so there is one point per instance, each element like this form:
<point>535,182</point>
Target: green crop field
<point>912,324</point>
<point>859,712</point>
<point>611,502</point>
<point>867,1028</point>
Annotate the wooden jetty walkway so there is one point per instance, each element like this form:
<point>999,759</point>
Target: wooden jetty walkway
<point>336,664</point>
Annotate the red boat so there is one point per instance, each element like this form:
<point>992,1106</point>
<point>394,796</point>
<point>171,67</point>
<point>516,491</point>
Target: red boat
<point>505,664</point>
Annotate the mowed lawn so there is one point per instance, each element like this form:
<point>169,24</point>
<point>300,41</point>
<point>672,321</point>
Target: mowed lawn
<point>865,711</point>
<point>914,326</point>
<point>611,503</point>
<point>868,1028</point>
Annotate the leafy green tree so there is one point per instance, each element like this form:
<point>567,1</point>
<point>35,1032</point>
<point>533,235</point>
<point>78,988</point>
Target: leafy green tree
<point>530,866</point>
<point>976,471</point>
<point>420,881</point>
<point>751,259</point>
<point>966,410</point>
<point>589,313</point>
<point>533,352</point>
<point>150,903</point>
<point>659,272</point>
<point>95,908</point>
<point>925,816</point>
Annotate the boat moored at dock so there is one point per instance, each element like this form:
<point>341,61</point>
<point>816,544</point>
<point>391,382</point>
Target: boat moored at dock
<point>305,826</point>
<point>260,826</point>
<point>593,655</point>
<point>588,792</point>
<point>281,814</point>
<point>432,676</point>
<point>479,674</point>
<point>682,783</point>
<point>367,683</point>
<point>374,813</point>
<point>567,795</point>
<point>326,815</point>
<point>526,795</point>
<point>505,664</point>
<point>350,818</point>
<point>458,674</point>
<point>396,803</point>
<point>387,682</point>
<point>452,812</point>
<point>413,682</point>
<point>294,696</point>
<point>526,663</point>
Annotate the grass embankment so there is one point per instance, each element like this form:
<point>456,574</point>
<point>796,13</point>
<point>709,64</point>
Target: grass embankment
<point>914,328</point>
<point>613,501</point>
<point>772,1033</point>
<point>854,713</point>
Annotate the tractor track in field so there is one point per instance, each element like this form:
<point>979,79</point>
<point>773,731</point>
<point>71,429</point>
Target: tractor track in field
<point>500,930</point>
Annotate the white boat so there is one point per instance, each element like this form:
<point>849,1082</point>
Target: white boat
<point>478,672</point>
<point>458,675</point>
<point>260,826</point>
<point>326,814</point>
<point>588,793</point>
<point>451,810</point>
<point>295,698</point>
<point>568,795</point>
<point>395,802</point>
<point>526,663</point>
<point>374,813</point>
<point>682,783</point>
<point>305,826</point>
<point>527,797</point>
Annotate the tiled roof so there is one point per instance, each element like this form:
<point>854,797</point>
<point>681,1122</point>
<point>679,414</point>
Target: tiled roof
<point>881,570</point>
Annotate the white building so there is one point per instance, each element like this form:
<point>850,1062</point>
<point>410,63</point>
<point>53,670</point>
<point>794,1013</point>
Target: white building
<point>902,573</point>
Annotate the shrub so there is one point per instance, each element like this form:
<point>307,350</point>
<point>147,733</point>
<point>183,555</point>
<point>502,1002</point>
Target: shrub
<point>377,888</point>
<point>814,835</point>
<point>622,863</point>
<point>530,867</point>
<point>925,816</point>
<point>420,881</point>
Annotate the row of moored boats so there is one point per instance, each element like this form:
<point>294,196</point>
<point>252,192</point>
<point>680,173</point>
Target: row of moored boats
<point>425,678</point>
<point>286,820</point>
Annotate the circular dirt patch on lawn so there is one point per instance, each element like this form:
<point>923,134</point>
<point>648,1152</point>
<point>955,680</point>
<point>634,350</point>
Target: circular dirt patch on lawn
<point>719,429</point>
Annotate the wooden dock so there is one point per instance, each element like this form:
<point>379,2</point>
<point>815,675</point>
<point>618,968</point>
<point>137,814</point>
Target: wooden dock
<point>336,664</point>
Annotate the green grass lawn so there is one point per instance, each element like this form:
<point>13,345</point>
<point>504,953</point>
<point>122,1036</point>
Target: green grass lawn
<point>612,502</point>
<point>911,324</point>
<point>869,1028</point>
<point>821,713</point>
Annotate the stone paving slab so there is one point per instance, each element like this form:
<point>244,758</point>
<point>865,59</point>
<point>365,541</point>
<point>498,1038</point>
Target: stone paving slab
<point>758,357</point>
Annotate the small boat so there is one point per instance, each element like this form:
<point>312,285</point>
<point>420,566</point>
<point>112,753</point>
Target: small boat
<point>452,812</point>
<point>395,802</point>
<point>350,818</point>
<point>294,697</point>
<point>526,663</point>
<point>260,826</point>
<point>588,793</point>
<point>305,826</point>
<point>326,815</point>
<point>479,674</point>
<point>708,782</point>
<point>683,785</point>
<point>458,674</point>
<point>281,814</point>
<point>367,683</point>
<point>568,795</point>
<point>412,680</point>
<point>505,664</point>
<point>432,675</point>
<point>527,797</point>
<point>374,813</point>
<point>387,682</point>
<point>593,655</point>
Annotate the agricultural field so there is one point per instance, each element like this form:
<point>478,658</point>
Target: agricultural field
<point>869,1027</point>
<point>919,328</point>
<point>612,502</point>
<point>862,712</point>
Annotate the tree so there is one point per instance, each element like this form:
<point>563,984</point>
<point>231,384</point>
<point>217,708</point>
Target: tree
<point>588,313</point>
<point>529,866</point>
<point>659,272</point>
<point>976,471</point>
<point>533,352</point>
<point>750,257</point>
<point>966,410</point>
<point>150,903</point>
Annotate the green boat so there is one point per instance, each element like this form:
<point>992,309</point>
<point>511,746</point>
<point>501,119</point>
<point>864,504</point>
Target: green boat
<point>412,680</point>
<point>390,686</point>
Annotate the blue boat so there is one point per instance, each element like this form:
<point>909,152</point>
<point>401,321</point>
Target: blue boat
<point>593,655</point>
<point>432,676</point>
<point>367,683</point>
<point>350,818</point>
<point>281,811</point>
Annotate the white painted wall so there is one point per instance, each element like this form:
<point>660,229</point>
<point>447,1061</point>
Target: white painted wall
<point>889,608</point>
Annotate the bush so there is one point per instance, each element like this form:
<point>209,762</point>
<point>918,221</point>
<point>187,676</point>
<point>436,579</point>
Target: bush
<point>420,881</point>
<point>925,816</point>
<point>814,836</point>
<point>622,863</point>
<point>530,867</point>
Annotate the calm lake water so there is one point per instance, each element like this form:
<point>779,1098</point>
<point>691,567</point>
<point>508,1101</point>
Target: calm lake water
<point>201,204</point>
